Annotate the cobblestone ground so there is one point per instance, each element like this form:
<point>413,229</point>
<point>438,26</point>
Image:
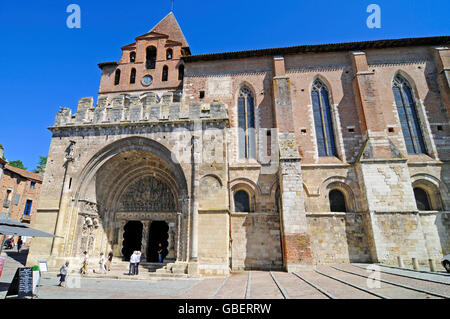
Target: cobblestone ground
<point>348,281</point>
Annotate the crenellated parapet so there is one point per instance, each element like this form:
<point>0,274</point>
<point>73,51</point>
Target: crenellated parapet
<point>139,109</point>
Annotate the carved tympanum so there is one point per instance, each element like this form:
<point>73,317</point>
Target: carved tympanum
<point>147,194</point>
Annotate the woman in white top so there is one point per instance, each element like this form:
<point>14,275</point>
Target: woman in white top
<point>102,263</point>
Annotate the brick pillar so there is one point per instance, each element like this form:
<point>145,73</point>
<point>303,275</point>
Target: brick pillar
<point>442,58</point>
<point>294,228</point>
<point>389,208</point>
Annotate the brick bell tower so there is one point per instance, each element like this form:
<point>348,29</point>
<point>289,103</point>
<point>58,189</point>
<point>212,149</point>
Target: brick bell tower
<point>151,63</point>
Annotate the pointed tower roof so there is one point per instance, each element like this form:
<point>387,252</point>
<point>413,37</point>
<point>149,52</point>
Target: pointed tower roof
<point>169,26</point>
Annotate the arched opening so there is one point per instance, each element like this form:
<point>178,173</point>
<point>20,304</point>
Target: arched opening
<point>337,201</point>
<point>132,239</point>
<point>150,61</point>
<point>241,201</point>
<point>407,113</point>
<point>165,73</point>
<point>169,54</point>
<point>246,124</point>
<point>132,180</point>
<point>422,199</point>
<point>181,72</point>
<point>132,57</point>
<point>117,77</point>
<point>323,120</point>
<point>133,76</point>
<point>158,235</point>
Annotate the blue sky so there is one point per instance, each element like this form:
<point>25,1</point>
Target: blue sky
<point>46,65</point>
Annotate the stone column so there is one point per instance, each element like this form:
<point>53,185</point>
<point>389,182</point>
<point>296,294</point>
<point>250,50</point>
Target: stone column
<point>122,224</point>
<point>171,240</point>
<point>145,236</point>
<point>442,58</point>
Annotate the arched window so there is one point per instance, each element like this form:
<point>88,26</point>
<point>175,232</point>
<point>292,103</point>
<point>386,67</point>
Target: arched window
<point>241,201</point>
<point>337,201</point>
<point>322,119</point>
<point>133,76</point>
<point>132,57</point>
<point>422,200</point>
<point>150,57</point>
<point>407,113</point>
<point>246,124</point>
<point>169,54</point>
<point>117,77</point>
<point>165,73</point>
<point>181,72</point>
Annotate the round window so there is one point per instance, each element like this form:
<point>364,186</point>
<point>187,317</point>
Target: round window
<point>147,80</point>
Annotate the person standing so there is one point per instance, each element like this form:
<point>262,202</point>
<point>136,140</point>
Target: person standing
<point>160,253</point>
<point>132,263</point>
<point>102,261</point>
<point>109,261</point>
<point>19,244</point>
<point>63,273</point>
<point>84,268</point>
<point>138,260</point>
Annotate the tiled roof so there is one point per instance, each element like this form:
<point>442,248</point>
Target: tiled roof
<point>332,47</point>
<point>24,173</point>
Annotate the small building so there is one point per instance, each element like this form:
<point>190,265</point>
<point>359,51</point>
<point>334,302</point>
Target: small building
<point>19,191</point>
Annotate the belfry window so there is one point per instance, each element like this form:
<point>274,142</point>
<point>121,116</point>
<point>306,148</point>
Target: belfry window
<point>407,113</point>
<point>132,57</point>
<point>181,72</point>
<point>150,58</point>
<point>133,76</point>
<point>241,201</point>
<point>169,54</point>
<point>422,200</point>
<point>117,77</point>
<point>165,73</point>
<point>337,201</point>
<point>323,119</point>
<point>246,124</point>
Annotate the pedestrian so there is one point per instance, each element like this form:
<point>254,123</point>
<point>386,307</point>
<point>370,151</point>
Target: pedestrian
<point>63,274</point>
<point>138,260</point>
<point>160,253</point>
<point>109,261</point>
<point>19,243</point>
<point>132,263</point>
<point>84,268</point>
<point>102,261</point>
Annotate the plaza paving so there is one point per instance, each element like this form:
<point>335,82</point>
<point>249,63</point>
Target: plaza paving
<point>340,281</point>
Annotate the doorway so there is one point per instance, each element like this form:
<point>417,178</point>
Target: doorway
<point>132,239</point>
<point>159,233</point>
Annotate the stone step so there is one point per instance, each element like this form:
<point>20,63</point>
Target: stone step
<point>141,276</point>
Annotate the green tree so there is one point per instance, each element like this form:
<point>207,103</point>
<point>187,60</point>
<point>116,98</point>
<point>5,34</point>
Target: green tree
<point>40,169</point>
<point>2,148</point>
<point>17,164</point>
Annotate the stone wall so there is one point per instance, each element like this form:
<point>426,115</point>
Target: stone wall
<point>436,230</point>
<point>256,241</point>
<point>213,239</point>
<point>338,237</point>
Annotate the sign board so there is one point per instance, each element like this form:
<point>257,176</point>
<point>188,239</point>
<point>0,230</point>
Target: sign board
<point>22,283</point>
<point>43,266</point>
<point>2,264</point>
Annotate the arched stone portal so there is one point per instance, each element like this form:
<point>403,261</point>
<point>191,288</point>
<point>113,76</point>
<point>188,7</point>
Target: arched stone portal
<point>134,182</point>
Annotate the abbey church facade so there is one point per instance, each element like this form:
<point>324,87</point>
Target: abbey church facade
<point>278,158</point>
